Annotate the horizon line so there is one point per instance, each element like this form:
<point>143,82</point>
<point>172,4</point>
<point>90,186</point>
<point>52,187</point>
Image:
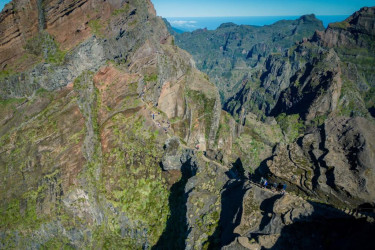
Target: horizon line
<point>252,16</point>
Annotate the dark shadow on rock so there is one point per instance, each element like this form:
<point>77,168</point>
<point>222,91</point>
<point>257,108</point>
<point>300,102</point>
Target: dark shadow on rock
<point>317,172</point>
<point>330,171</point>
<point>327,228</point>
<point>267,207</point>
<point>230,215</point>
<point>291,101</point>
<point>261,171</point>
<point>238,169</point>
<point>372,111</point>
<point>176,231</point>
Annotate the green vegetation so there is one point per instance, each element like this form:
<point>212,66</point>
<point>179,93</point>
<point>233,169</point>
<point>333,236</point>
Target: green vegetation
<point>151,78</point>
<point>340,25</point>
<point>96,27</point>
<point>319,120</point>
<point>4,103</point>
<point>351,101</point>
<point>134,176</point>
<point>43,45</point>
<point>59,242</point>
<point>13,215</point>
<point>291,125</point>
<point>224,129</point>
<point>123,9</point>
<point>6,73</point>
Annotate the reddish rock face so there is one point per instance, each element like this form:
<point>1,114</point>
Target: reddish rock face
<point>70,22</point>
<point>116,88</point>
<point>18,22</point>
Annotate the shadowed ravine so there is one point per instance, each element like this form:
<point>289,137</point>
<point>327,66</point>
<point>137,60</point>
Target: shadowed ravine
<point>320,231</point>
<point>176,231</point>
<point>231,208</point>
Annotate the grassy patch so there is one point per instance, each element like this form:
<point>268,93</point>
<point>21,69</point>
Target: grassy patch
<point>11,101</point>
<point>340,25</point>
<point>250,150</point>
<point>204,107</point>
<point>6,73</point>
<point>96,26</point>
<point>123,9</point>
<point>43,45</point>
<point>291,125</point>
<point>134,176</point>
<point>151,78</point>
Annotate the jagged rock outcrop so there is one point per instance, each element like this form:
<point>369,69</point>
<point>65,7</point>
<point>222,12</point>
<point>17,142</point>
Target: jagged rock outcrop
<point>315,92</point>
<point>273,221</point>
<point>333,162</point>
<point>356,31</point>
<point>178,158</point>
<point>320,92</point>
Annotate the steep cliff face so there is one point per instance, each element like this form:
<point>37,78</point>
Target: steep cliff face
<point>355,31</point>
<point>332,162</point>
<point>69,22</point>
<point>84,124</point>
<point>19,21</point>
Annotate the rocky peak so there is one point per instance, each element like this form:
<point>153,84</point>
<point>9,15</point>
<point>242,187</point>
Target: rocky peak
<point>356,30</point>
<point>227,25</point>
<point>309,18</point>
<point>362,21</point>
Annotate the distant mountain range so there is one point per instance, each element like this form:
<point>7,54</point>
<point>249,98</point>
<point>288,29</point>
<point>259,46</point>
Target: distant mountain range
<point>189,24</point>
<point>230,53</point>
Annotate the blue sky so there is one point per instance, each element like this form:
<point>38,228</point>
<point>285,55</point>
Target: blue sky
<point>206,8</point>
<point>217,8</point>
<point>2,3</point>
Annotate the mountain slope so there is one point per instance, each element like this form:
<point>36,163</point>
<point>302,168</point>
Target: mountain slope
<point>80,149</point>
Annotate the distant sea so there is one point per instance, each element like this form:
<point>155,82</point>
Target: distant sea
<point>211,23</point>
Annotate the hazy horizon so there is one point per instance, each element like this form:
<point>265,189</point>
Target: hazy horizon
<point>245,8</point>
<point>188,24</point>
